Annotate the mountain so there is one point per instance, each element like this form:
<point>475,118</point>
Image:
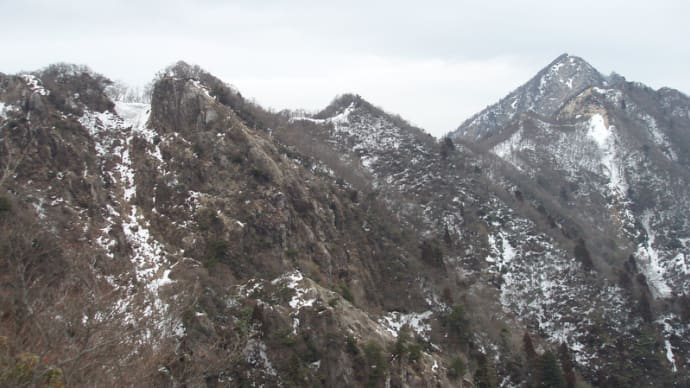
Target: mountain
<point>182,235</point>
<point>611,157</point>
<point>170,243</point>
<point>615,148</point>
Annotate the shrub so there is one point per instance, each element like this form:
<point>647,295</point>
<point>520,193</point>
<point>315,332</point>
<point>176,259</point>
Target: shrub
<point>582,254</point>
<point>291,253</point>
<point>447,147</point>
<point>286,338</point>
<point>400,346</point>
<point>216,251</point>
<point>550,374</point>
<point>431,252</point>
<point>351,345</point>
<point>456,368</point>
<point>414,352</point>
<point>485,375</point>
<point>5,205</point>
<point>346,293</point>
<point>260,175</point>
<point>457,324</point>
<point>377,364</point>
<point>207,219</point>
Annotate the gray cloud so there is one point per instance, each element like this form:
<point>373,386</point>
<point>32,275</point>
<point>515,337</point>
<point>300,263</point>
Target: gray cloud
<point>434,63</point>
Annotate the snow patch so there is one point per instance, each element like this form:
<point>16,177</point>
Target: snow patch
<point>509,148</point>
<point>605,138</point>
<point>255,355</point>
<point>417,322</point>
<point>303,297</point>
<point>5,109</point>
<point>658,137</point>
<point>598,131</point>
<point>199,86</point>
<point>34,84</point>
<point>137,115</point>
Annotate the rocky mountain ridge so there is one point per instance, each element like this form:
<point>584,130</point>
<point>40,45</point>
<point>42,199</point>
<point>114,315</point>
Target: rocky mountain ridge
<point>187,246</point>
<point>228,245</point>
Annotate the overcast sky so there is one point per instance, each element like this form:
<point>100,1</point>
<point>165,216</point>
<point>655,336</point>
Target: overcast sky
<point>434,62</point>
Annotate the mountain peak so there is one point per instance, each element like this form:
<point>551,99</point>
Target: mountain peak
<point>567,72</point>
<point>565,77</point>
<point>566,58</point>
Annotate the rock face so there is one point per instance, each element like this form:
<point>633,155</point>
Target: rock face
<point>189,237</point>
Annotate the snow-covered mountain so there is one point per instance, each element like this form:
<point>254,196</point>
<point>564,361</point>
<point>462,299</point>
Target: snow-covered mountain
<point>611,156</point>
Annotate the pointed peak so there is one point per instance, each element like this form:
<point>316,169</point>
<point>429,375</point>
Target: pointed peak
<point>572,65</point>
<point>544,94</point>
<point>565,75</point>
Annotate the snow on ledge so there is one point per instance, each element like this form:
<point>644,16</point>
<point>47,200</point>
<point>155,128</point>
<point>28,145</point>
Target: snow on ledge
<point>418,322</point>
<point>34,84</point>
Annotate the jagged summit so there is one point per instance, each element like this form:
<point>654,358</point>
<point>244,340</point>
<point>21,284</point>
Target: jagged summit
<point>200,77</point>
<point>182,69</point>
<point>544,94</point>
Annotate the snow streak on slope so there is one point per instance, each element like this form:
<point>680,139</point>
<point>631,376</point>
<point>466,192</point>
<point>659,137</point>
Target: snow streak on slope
<point>650,262</point>
<point>113,137</point>
<point>589,153</point>
<point>605,138</point>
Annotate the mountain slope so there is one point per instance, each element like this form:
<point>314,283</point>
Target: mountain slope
<point>510,252</point>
